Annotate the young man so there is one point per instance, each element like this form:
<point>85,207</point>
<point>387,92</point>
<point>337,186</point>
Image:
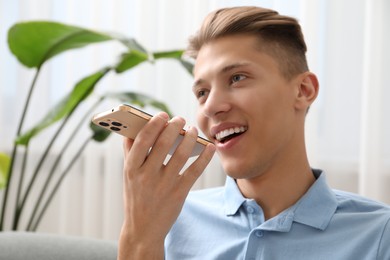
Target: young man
<point>253,89</point>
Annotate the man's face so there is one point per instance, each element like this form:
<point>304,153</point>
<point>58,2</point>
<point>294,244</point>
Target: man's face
<point>246,107</point>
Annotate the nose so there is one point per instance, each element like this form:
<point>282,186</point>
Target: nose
<point>217,103</point>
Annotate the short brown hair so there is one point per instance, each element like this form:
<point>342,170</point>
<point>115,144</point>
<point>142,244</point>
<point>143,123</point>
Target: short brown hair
<point>279,36</point>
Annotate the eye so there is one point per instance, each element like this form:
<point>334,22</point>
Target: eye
<point>201,94</point>
<point>237,77</point>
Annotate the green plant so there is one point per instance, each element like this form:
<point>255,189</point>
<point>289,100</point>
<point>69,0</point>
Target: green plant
<point>34,43</point>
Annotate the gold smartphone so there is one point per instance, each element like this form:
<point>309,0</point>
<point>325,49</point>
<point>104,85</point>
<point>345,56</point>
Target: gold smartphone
<point>127,120</point>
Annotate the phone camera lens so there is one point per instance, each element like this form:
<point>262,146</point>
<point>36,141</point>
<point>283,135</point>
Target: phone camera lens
<point>103,124</point>
<point>113,128</point>
<point>116,123</point>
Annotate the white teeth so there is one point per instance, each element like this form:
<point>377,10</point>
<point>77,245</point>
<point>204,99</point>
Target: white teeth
<point>219,136</point>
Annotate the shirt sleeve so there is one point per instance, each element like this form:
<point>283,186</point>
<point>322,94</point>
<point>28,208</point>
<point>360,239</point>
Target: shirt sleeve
<point>384,248</point>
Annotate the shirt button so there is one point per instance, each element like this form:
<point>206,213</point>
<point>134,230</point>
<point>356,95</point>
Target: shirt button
<point>250,210</point>
<point>259,233</point>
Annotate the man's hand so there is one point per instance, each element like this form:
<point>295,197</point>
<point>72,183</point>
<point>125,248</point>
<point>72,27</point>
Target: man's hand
<point>154,192</point>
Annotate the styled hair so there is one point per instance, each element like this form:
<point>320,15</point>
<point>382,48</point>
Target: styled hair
<point>279,36</point>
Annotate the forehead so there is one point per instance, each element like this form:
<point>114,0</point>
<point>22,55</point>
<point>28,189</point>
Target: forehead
<point>229,52</point>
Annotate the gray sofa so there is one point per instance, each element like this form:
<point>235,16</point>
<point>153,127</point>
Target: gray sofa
<point>38,246</point>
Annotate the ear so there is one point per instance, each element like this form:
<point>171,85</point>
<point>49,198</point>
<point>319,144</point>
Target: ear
<point>307,90</point>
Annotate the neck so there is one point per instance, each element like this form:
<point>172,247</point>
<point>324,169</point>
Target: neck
<point>278,189</point>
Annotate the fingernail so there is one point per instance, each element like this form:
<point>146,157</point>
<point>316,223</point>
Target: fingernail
<point>192,129</point>
<point>177,118</point>
<point>163,115</point>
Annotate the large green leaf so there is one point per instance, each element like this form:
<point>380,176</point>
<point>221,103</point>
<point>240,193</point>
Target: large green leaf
<point>189,66</point>
<point>66,106</point>
<point>130,43</point>
<point>139,99</point>
<point>137,54</point>
<point>4,165</point>
<point>175,54</point>
<point>35,42</point>
<point>130,60</point>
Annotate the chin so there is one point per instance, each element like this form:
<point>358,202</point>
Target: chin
<point>234,170</point>
<point>242,170</point>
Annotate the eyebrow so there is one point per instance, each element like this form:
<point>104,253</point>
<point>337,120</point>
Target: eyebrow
<point>223,70</point>
<point>234,66</point>
<point>197,83</point>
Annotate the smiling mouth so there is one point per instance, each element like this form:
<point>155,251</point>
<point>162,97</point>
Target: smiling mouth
<point>230,133</point>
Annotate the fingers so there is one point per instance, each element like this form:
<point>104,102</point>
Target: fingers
<point>192,173</point>
<point>165,141</point>
<point>153,193</point>
<point>146,139</point>
<point>183,151</point>
<point>127,144</point>
<point>147,153</point>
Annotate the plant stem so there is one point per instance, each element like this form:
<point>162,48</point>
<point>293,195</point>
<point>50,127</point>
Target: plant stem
<point>22,173</point>
<point>20,207</point>
<point>59,157</point>
<point>57,185</point>
<point>6,191</point>
<point>14,150</point>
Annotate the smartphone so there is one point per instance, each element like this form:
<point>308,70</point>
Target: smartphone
<point>127,120</point>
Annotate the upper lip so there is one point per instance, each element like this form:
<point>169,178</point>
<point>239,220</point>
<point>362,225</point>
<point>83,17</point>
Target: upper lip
<point>224,126</point>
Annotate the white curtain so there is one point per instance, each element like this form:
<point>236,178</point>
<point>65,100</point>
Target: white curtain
<point>347,128</point>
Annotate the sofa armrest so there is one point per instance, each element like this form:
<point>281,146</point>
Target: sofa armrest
<point>38,246</point>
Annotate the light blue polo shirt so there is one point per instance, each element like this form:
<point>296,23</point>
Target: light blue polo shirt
<point>219,223</point>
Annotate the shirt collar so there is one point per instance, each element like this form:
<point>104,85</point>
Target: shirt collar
<point>233,197</point>
<point>315,208</point>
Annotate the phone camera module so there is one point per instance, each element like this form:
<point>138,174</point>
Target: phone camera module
<point>116,129</point>
<point>116,123</point>
<point>104,124</point>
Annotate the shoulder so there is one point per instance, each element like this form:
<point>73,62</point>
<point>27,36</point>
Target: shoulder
<point>199,209</point>
<point>354,209</point>
<point>361,222</point>
<point>351,202</point>
<point>206,197</point>
<point>203,205</point>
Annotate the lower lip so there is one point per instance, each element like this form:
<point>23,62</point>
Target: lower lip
<point>227,146</point>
